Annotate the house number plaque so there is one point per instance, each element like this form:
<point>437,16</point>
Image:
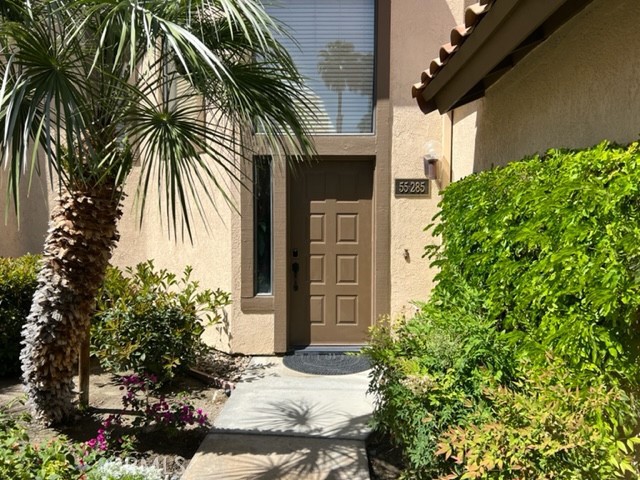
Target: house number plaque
<point>412,187</point>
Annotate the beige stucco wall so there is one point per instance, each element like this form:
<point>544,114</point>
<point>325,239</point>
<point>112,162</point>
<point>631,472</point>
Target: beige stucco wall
<point>418,28</point>
<point>209,254</point>
<point>251,332</point>
<point>463,140</point>
<point>579,87</point>
<point>27,234</point>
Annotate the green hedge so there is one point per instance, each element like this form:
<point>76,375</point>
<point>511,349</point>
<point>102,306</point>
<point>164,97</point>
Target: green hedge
<point>524,361</point>
<point>150,321</point>
<point>553,243</point>
<point>17,285</point>
<point>429,373</point>
<point>147,320</point>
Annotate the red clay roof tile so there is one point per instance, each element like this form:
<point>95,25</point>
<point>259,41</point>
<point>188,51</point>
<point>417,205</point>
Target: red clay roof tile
<point>472,16</point>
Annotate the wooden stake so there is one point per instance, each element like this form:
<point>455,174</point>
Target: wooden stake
<point>84,370</point>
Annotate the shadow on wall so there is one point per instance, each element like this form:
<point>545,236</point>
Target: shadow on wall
<point>573,91</point>
<point>27,236</point>
<point>223,335</point>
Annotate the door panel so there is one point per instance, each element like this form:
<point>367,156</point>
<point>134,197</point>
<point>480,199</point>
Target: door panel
<point>330,295</point>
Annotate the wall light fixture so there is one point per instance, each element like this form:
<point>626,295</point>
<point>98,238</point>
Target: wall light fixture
<point>431,159</point>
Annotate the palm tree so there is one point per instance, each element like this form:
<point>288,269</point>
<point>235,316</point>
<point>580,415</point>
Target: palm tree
<point>343,68</point>
<point>90,87</point>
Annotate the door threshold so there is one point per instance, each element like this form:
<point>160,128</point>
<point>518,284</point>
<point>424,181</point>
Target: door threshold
<point>324,349</point>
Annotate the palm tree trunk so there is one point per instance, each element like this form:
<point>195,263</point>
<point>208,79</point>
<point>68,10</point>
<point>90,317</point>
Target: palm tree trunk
<point>82,234</point>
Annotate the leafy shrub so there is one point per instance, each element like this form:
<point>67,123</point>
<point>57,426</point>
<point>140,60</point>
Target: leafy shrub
<point>462,403</point>
<point>429,372</point>
<point>115,469</point>
<point>21,459</point>
<point>524,361</point>
<point>150,321</point>
<point>552,242</point>
<point>545,428</point>
<point>17,286</point>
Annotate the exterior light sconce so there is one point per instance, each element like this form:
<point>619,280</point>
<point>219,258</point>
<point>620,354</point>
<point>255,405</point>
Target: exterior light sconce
<point>431,168</point>
<point>431,160</point>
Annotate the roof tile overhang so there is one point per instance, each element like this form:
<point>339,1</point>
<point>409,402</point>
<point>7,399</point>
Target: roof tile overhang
<point>495,35</point>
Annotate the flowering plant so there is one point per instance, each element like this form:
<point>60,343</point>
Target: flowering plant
<point>138,389</point>
<point>149,411</point>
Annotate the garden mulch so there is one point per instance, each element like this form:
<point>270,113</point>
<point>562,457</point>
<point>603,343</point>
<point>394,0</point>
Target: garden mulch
<point>385,460</point>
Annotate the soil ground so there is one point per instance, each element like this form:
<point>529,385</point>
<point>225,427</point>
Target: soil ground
<point>385,460</point>
<point>153,446</point>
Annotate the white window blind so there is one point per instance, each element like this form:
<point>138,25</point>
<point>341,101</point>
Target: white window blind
<point>333,48</point>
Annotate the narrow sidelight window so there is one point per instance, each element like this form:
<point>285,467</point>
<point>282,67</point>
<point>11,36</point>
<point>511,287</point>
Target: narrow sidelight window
<point>262,201</point>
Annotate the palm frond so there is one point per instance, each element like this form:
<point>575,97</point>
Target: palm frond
<point>89,84</point>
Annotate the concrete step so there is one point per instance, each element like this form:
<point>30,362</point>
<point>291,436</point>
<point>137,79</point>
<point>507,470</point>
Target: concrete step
<point>262,457</point>
<point>312,412</point>
<point>281,424</point>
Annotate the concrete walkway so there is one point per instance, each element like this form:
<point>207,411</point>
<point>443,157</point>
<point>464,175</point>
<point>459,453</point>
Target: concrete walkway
<point>281,424</point>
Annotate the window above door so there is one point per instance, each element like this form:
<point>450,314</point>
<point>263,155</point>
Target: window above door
<point>332,43</point>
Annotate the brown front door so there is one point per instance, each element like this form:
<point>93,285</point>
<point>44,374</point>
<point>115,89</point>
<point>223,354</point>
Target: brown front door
<point>330,253</point>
